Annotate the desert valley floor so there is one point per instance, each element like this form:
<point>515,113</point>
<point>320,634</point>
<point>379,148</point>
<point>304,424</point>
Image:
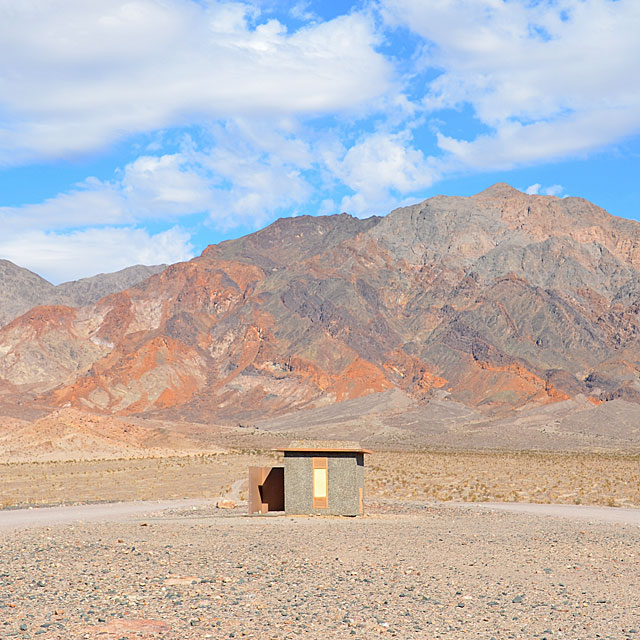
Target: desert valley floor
<point>428,560</point>
<point>407,569</point>
<point>109,529</point>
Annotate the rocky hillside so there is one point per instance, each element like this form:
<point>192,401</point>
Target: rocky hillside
<point>497,301</point>
<point>21,289</point>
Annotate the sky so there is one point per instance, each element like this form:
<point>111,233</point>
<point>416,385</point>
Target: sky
<point>141,131</point>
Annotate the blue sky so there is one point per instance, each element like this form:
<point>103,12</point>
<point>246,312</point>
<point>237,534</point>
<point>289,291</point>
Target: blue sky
<point>140,131</point>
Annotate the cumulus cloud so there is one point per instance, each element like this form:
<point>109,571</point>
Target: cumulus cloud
<point>85,204</point>
<point>60,257</point>
<point>538,189</point>
<point>77,75</point>
<point>259,187</point>
<point>95,227</point>
<point>236,182</point>
<point>168,185</point>
<point>380,168</point>
<point>151,187</point>
<point>550,79</point>
<point>513,143</point>
<point>256,170</point>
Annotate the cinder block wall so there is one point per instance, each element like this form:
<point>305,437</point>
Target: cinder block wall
<point>346,478</point>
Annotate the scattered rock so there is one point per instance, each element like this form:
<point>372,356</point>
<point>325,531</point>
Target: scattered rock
<point>216,577</point>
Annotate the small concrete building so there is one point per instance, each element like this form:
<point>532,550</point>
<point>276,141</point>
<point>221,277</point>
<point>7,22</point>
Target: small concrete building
<point>325,478</point>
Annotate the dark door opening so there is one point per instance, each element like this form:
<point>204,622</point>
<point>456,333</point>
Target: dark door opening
<point>266,489</point>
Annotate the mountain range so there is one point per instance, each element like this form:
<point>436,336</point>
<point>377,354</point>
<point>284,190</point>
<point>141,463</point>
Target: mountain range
<point>21,289</point>
<point>496,302</point>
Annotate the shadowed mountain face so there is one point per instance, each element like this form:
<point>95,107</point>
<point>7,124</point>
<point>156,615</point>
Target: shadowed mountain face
<point>497,301</point>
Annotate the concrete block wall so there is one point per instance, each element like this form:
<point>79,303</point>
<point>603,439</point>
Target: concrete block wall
<point>345,479</point>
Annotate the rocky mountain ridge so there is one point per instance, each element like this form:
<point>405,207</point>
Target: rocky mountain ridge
<point>498,301</point>
<point>21,289</point>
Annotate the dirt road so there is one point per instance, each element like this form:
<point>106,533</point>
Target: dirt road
<point>104,512</point>
<point>574,512</point>
<point>127,511</point>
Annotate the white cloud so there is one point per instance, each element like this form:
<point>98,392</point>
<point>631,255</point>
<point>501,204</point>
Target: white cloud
<point>76,75</point>
<point>259,186</point>
<point>93,227</point>
<point>59,257</point>
<point>514,144</point>
<point>550,78</point>
<point>328,207</point>
<point>92,201</point>
<point>151,187</point>
<point>538,189</point>
<point>170,185</point>
<point>553,190</point>
<point>237,182</point>
<point>378,168</point>
<point>301,11</point>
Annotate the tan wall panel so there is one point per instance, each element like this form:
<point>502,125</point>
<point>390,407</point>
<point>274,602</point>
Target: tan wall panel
<point>321,483</point>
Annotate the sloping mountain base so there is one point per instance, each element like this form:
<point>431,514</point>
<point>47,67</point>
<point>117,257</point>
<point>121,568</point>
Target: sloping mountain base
<point>390,420</point>
<point>393,420</point>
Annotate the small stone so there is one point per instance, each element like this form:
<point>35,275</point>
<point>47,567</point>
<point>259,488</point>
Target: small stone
<point>517,599</point>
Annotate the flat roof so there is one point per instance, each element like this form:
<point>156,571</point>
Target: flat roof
<point>324,446</point>
<point>320,450</point>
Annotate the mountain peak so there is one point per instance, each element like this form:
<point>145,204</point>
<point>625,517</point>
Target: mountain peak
<point>499,190</point>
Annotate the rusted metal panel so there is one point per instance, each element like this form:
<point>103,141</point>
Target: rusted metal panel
<point>256,477</point>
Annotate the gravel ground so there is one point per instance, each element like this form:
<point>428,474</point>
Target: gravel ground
<point>406,570</point>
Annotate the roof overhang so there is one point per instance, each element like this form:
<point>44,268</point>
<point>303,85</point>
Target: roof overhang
<point>319,450</point>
